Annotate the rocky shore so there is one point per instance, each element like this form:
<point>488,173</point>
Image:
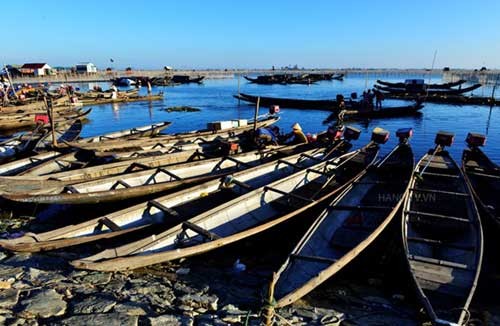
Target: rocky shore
<point>43,289</point>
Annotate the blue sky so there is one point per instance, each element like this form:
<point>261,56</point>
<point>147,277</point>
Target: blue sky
<point>253,34</point>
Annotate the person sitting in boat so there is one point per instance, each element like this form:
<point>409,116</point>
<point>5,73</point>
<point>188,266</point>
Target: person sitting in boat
<point>267,136</point>
<point>296,136</point>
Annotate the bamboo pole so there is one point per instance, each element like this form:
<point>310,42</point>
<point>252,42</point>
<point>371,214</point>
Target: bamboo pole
<point>256,114</point>
<point>50,112</point>
<point>11,83</point>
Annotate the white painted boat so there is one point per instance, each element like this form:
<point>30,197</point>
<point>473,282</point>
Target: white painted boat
<point>251,213</point>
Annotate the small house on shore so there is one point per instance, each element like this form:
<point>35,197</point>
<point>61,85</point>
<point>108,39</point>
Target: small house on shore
<point>86,68</point>
<point>36,69</point>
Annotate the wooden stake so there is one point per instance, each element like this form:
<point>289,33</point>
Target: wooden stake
<point>269,312</point>
<point>239,75</point>
<point>256,114</point>
<point>50,112</point>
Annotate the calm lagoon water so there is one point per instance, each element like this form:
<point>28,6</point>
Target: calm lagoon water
<point>215,100</point>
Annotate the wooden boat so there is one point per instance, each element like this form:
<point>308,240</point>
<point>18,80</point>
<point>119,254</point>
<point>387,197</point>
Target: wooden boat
<point>257,210</point>
<point>21,165</point>
<point>449,99</point>
<point>127,185</point>
<point>65,134</point>
<point>188,201</point>
<point>483,177</point>
<point>348,225</point>
<point>328,105</point>
<point>18,145</point>
<point>35,107</point>
<point>196,136</point>
<point>126,99</point>
<point>442,236</point>
<point>52,162</point>
<point>182,79</point>
<point>385,112</point>
<point>28,122</point>
<point>428,92</point>
<point>137,132</point>
<point>428,86</point>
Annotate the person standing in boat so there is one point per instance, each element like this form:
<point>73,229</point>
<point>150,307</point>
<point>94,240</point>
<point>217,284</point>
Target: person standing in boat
<point>150,90</point>
<point>379,97</point>
<point>296,136</point>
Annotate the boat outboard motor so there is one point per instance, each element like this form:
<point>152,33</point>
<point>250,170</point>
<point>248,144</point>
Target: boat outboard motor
<point>380,136</point>
<point>274,109</point>
<point>475,140</point>
<point>404,134</point>
<point>351,133</point>
<point>444,138</point>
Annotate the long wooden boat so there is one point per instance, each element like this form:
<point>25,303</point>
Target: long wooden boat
<point>428,86</point>
<point>18,145</point>
<point>127,185</point>
<point>99,101</point>
<point>54,161</point>
<point>185,202</point>
<point>21,165</point>
<point>35,107</point>
<point>65,134</point>
<point>385,112</point>
<point>483,176</point>
<point>348,225</point>
<point>197,136</point>
<point>136,132</point>
<point>181,79</point>
<point>442,236</point>
<point>449,99</point>
<point>259,209</point>
<point>327,105</point>
<point>428,92</point>
<point>30,122</point>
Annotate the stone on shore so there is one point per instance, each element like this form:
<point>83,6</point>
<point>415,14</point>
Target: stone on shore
<point>44,304</point>
<point>170,320</point>
<point>94,304</point>
<point>111,319</point>
<point>9,298</point>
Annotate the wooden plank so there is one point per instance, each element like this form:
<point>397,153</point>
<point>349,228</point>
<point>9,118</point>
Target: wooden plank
<point>318,172</point>
<point>238,162</point>
<point>201,231</point>
<point>120,182</point>
<point>439,262</point>
<point>167,172</point>
<point>315,259</point>
<point>163,208</point>
<point>361,208</point>
<point>311,157</point>
<point>441,175</point>
<point>438,216</point>
<point>266,188</point>
<point>432,191</point>
<point>110,224</point>
<point>295,166</point>
<point>440,243</point>
<point>484,175</point>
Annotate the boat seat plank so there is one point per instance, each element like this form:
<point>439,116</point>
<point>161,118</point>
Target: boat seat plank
<point>440,243</point>
<point>316,259</point>
<point>361,208</point>
<point>163,208</point>
<point>118,183</point>
<point>167,172</point>
<point>318,172</point>
<point>438,216</point>
<point>433,191</point>
<point>432,174</point>
<point>238,162</point>
<point>201,231</point>
<point>266,188</point>
<point>110,224</point>
<point>295,166</point>
<point>242,184</point>
<point>484,175</point>
<point>135,166</point>
<point>439,262</point>
<point>310,157</point>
